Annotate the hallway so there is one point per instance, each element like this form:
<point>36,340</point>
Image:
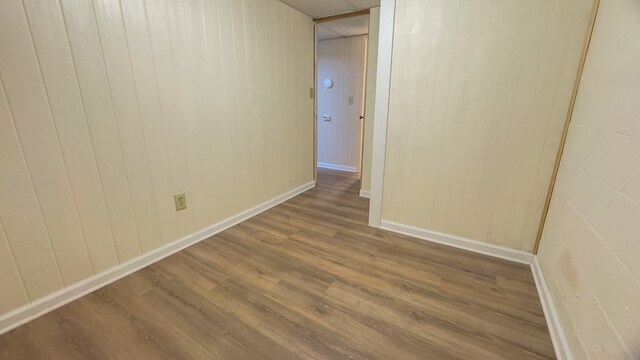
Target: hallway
<point>306,279</point>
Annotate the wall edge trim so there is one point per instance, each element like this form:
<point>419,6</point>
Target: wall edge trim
<point>558,338</point>
<point>44,305</point>
<point>325,165</point>
<point>460,242</point>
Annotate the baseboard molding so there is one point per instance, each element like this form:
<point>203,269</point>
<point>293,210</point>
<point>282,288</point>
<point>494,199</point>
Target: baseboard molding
<point>365,193</point>
<point>64,296</point>
<point>337,167</point>
<point>560,343</point>
<point>460,242</point>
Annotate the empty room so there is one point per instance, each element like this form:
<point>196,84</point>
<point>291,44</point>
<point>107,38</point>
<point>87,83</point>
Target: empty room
<point>330,179</point>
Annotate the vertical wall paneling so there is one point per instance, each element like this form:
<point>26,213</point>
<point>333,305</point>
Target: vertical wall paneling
<point>370,95</point>
<point>181,132</point>
<point>279,84</point>
<point>31,113</point>
<point>157,26</point>
<point>286,88</point>
<point>117,60</point>
<point>256,166</point>
<point>256,23</point>
<point>244,148</point>
<point>13,292</point>
<point>108,108</point>
<point>565,129</point>
<point>86,49</point>
<point>229,84</point>
<point>303,31</point>
<point>183,56</point>
<point>198,55</point>
<point>216,150</point>
<point>67,107</point>
<point>272,94</point>
<point>479,92</point>
<point>590,244</point>
<point>151,113</point>
<point>20,212</point>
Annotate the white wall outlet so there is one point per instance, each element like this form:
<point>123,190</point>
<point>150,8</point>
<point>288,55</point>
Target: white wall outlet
<point>350,100</point>
<point>181,201</point>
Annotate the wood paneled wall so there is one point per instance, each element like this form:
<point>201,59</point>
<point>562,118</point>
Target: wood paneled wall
<point>590,248</point>
<point>343,61</point>
<point>370,97</point>
<point>108,108</point>
<point>479,94</point>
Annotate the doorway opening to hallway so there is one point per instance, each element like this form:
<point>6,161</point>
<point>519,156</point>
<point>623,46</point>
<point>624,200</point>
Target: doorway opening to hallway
<point>341,72</point>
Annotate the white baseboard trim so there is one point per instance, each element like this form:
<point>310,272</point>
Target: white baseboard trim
<point>560,343</point>
<point>64,296</point>
<point>365,193</point>
<point>461,243</point>
<point>337,167</point>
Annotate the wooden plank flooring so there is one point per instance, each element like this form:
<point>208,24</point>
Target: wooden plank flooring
<point>305,280</point>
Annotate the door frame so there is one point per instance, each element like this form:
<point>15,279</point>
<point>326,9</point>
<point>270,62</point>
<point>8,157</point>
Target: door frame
<point>314,91</point>
<point>381,115</point>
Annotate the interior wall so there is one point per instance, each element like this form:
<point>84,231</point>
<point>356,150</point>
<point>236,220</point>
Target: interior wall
<point>479,94</point>
<point>109,108</point>
<point>340,140</point>
<point>370,96</point>
<point>590,249</point>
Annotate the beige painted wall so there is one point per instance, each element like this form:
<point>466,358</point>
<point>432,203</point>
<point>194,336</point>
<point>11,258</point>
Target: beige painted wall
<point>106,112</point>
<point>590,250</point>
<point>343,61</point>
<point>370,95</point>
<point>479,94</point>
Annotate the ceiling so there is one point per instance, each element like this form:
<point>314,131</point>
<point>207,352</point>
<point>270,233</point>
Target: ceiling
<point>321,8</point>
<point>357,25</point>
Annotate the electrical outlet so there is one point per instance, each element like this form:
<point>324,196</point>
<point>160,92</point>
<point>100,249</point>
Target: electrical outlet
<point>181,201</point>
<point>350,100</point>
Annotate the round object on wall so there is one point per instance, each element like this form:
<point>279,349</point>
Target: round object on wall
<point>328,83</point>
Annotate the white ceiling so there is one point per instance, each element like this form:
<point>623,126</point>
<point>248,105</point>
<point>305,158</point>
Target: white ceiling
<point>357,25</point>
<point>320,8</point>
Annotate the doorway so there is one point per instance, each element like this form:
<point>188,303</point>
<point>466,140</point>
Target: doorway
<point>341,61</point>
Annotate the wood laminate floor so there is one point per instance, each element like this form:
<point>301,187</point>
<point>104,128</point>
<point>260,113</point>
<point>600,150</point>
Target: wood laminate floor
<point>305,280</point>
